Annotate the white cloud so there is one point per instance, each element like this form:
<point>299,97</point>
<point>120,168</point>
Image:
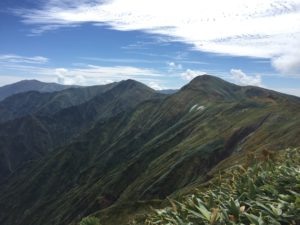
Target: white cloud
<point>14,67</point>
<point>120,60</point>
<point>243,79</point>
<point>10,58</point>
<point>172,66</point>
<point>254,28</point>
<point>155,86</point>
<point>99,74</point>
<point>62,76</point>
<point>191,74</point>
<point>85,75</point>
<point>288,64</point>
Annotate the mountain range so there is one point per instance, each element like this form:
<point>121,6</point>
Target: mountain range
<point>35,123</point>
<point>123,146</point>
<point>30,85</point>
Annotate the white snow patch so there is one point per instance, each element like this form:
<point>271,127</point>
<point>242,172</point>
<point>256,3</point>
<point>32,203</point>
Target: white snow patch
<point>193,107</point>
<point>197,108</point>
<point>201,107</point>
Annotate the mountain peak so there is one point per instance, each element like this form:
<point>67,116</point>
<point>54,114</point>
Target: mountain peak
<point>208,82</point>
<point>133,84</point>
<point>30,85</point>
<point>29,81</point>
<point>212,87</point>
<point>206,78</point>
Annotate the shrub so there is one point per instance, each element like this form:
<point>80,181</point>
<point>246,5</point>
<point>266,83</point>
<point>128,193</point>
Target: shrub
<point>90,220</point>
<point>265,193</point>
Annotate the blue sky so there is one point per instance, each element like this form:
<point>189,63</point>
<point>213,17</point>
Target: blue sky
<point>163,44</point>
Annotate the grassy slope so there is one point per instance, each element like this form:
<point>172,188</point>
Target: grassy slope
<point>186,163</point>
<point>265,190</point>
<point>31,137</point>
<point>33,102</point>
<point>157,149</point>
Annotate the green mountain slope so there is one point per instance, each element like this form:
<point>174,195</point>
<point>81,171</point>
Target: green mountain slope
<point>265,190</point>
<point>31,137</point>
<point>33,102</point>
<point>30,85</point>
<point>161,147</point>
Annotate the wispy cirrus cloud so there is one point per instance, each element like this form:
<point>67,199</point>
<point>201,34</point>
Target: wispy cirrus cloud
<point>11,58</point>
<point>45,28</point>
<point>118,60</point>
<point>252,28</point>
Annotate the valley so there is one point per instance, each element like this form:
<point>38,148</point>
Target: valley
<point>128,147</point>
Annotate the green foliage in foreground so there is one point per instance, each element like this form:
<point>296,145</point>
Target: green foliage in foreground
<point>90,220</point>
<point>262,194</point>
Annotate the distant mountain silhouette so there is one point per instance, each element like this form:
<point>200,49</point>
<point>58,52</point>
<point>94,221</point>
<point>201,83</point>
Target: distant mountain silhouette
<point>168,91</point>
<point>30,85</point>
